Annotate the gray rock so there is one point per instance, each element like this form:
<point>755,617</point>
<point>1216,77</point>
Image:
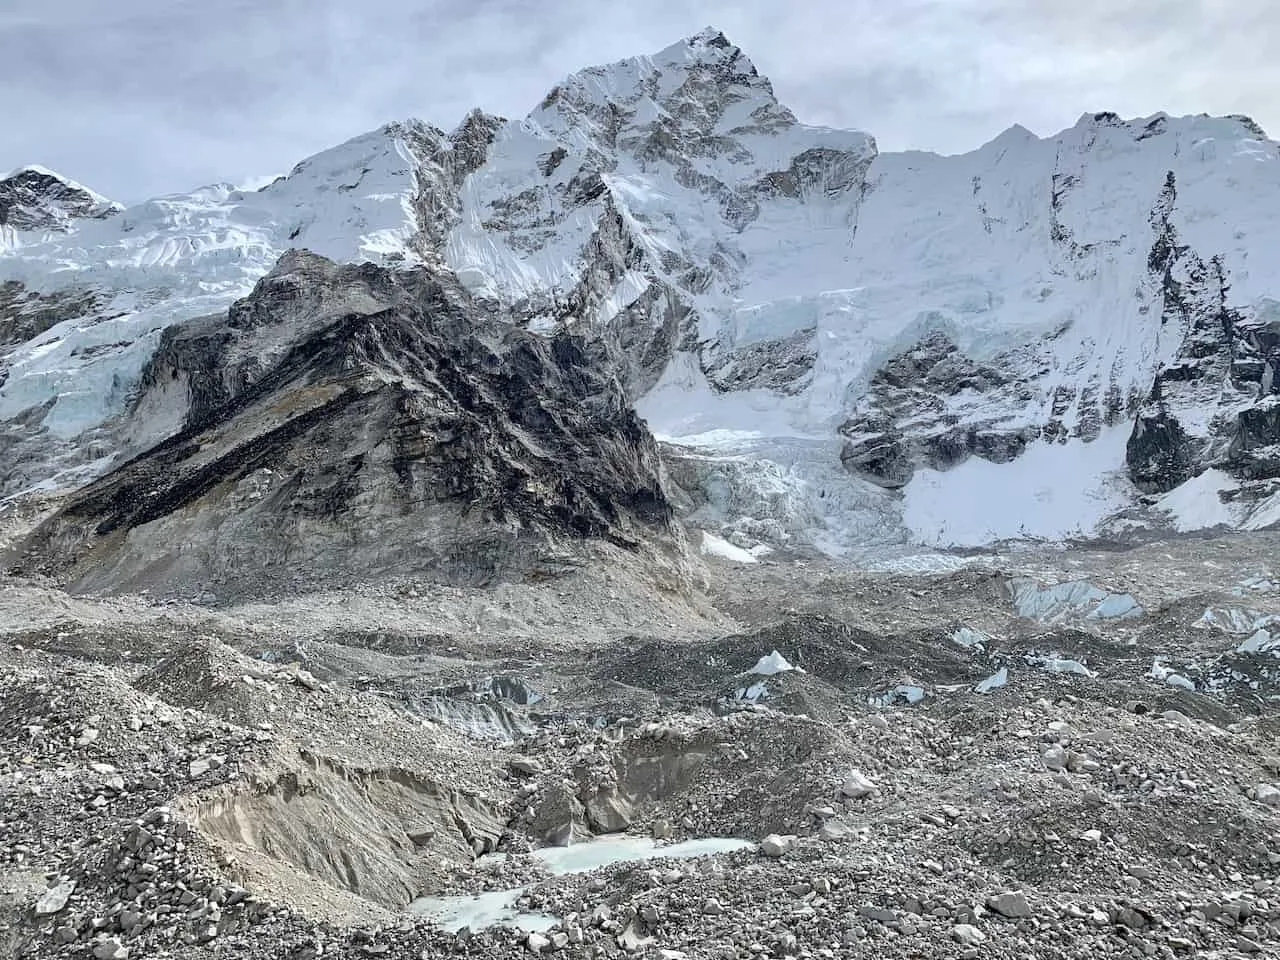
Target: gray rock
<point>1012,904</point>
<point>440,468</point>
<point>967,934</point>
<point>879,914</point>
<point>607,811</point>
<point>420,836</point>
<point>1267,794</point>
<point>55,898</point>
<point>857,785</point>
<point>775,845</point>
<point>835,830</point>
<point>110,948</point>
<point>1055,758</point>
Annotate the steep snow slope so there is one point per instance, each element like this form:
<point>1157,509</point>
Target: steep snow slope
<point>842,346</point>
<point>1024,298</point>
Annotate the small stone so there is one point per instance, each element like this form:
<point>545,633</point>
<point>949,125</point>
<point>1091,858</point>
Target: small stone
<point>1245,945</point>
<point>525,766</point>
<point>712,907</point>
<point>661,829</point>
<point>1011,904</point>
<point>835,830</point>
<point>1091,836</point>
<point>967,934</point>
<point>775,845</point>
<point>857,786</point>
<point>421,836</point>
<point>1055,758</point>
<point>1267,795</point>
<point>1131,918</point>
<point>55,898</point>
<point>537,943</point>
<point>879,914</point>
<point>110,949</point>
<point>202,765</point>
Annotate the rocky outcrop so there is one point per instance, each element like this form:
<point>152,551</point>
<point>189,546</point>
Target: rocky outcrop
<point>933,406</point>
<point>354,420</point>
<point>1213,403</point>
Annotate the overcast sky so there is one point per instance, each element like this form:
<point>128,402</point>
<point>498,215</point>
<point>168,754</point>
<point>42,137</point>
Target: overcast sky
<point>141,97</point>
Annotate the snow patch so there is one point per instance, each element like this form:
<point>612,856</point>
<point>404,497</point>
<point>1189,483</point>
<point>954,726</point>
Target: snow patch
<point>1052,492</point>
<point>993,682</point>
<point>772,664</point>
<point>1197,504</point>
<point>904,693</point>
<point>713,546</point>
<point>970,639</point>
<point>1056,664</point>
<point>1164,674</point>
<point>1263,641</point>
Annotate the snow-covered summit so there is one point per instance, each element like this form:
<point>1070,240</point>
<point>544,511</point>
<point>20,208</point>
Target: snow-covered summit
<point>35,199</point>
<point>1024,340</point>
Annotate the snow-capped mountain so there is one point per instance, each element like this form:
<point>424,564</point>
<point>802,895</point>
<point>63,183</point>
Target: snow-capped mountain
<point>839,345</point>
<point>36,200</point>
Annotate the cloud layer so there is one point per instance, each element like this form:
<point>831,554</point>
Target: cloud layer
<point>139,97</point>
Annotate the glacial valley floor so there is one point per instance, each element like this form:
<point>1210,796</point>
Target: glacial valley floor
<point>1049,753</point>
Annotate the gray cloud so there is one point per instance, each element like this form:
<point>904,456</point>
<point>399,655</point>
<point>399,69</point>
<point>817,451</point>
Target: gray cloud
<point>137,97</point>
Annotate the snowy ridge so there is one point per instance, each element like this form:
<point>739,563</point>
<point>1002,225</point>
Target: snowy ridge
<point>174,258</point>
<point>1046,337</point>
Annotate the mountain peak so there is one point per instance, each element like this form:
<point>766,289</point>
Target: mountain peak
<point>33,197</point>
<point>711,37</point>
<point>702,85</point>
<point>707,47</point>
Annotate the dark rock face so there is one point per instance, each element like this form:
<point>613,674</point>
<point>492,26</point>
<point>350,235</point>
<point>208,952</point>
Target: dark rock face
<point>34,199</point>
<point>920,411</point>
<point>353,419</point>
<point>1158,453</point>
<point>1225,367</point>
<point>784,364</point>
<point>25,313</point>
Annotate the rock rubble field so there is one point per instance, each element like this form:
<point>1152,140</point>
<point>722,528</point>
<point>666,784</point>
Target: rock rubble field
<point>1058,754</point>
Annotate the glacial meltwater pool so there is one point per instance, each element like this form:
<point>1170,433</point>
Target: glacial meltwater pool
<point>498,907</point>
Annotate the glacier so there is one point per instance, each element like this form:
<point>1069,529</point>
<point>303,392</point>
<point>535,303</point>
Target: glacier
<point>1044,338</point>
